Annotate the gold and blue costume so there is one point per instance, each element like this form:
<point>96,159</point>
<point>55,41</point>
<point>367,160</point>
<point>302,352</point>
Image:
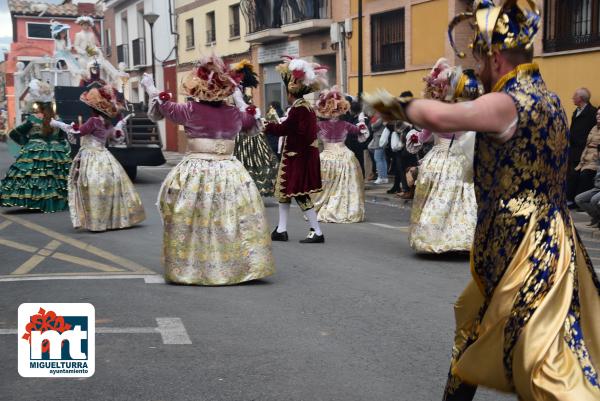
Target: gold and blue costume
<point>528,321</point>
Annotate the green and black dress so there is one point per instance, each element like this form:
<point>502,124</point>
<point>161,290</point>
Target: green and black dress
<point>259,160</point>
<point>38,178</point>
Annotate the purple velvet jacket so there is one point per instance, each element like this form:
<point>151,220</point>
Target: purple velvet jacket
<point>201,120</point>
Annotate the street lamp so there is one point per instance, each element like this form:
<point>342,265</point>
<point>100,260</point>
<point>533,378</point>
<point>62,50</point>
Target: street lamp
<point>151,18</point>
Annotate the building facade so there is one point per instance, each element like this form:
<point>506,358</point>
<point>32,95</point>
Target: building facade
<point>403,38</point>
<point>32,38</point>
<point>129,44</point>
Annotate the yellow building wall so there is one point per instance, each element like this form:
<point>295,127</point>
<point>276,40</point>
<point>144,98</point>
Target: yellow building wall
<point>224,45</point>
<point>564,74</point>
<point>428,24</point>
<point>393,83</point>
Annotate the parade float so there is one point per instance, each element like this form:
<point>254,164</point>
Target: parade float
<point>75,68</point>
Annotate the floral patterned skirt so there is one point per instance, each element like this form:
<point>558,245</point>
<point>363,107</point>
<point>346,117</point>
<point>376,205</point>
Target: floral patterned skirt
<point>215,230</point>
<point>343,197</point>
<point>444,211</point>
<point>101,195</point>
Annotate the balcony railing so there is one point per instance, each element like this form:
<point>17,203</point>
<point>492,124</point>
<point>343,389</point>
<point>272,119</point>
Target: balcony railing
<point>139,52</point>
<point>234,30</point>
<point>123,54</point>
<point>293,11</point>
<point>261,15</point>
<point>211,36</point>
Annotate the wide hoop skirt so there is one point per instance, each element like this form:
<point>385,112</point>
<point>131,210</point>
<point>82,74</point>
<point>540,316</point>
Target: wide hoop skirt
<point>215,230</point>
<point>342,199</point>
<point>444,211</point>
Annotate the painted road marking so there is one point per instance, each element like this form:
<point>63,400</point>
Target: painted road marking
<point>171,330</point>
<point>399,228</point>
<point>5,224</point>
<point>59,239</point>
<point>149,279</point>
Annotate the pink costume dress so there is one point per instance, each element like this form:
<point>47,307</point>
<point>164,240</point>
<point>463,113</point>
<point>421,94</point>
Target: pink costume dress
<point>101,195</point>
<point>444,209</point>
<point>215,230</point>
<point>343,197</point>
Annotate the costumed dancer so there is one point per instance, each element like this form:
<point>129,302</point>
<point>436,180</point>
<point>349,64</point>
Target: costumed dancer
<point>215,229</point>
<point>343,197</point>
<point>101,195</point>
<point>528,321</point>
<point>62,47</point>
<point>299,172</point>
<point>251,148</point>
<point>444,209</point>
<point>37,179</point>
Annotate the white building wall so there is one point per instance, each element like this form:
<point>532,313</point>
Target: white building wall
<point>164,42</point>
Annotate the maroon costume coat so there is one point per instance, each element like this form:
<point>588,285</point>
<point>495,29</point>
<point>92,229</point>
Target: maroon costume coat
<point>300,167</point>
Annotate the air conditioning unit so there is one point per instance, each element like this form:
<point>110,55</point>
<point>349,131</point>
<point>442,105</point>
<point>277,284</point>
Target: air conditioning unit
<point>335,33</point>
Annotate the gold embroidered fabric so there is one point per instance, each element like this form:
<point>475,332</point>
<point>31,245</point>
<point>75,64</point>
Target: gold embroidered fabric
<point>343,197</point>
<point>536,331</point>
<point>215,229</point>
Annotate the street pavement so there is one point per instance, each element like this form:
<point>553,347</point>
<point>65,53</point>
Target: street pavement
<point>360,317</point>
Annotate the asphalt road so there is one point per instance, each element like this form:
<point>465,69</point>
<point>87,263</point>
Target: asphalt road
<point>360,317</point>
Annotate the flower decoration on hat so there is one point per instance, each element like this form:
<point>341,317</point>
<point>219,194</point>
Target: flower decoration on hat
<point>450,84</point>
<point>84,19</point>
<point>302,77</point>
<point>499,27</point>
<point>211,80</point>
<point>103,99</point>
<point>332,103</point>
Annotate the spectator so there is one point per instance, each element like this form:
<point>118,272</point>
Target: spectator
<point>589,200</point>
<point>352,142</point>
<point>378,127</point>
<point>583,120</point>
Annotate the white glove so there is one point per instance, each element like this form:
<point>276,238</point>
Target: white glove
<point>68,128</point>
<point>148,84</point>
<point>258,116</point>
<point>413,145</point>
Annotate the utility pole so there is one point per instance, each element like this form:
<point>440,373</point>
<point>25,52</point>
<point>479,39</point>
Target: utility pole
<point>360,49</point>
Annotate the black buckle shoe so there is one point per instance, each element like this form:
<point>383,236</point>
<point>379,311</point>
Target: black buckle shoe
<point>313,238</point>
<point>275,236</point>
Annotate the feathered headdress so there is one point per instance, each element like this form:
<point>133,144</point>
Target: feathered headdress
<point>332,103</point>
<point>103,99</point>
<point>302,77</point>
<point>40,91</point>
<point>210,80</point>
<point>450,84</point>
<point>245,70</point>
<point>502,27</point>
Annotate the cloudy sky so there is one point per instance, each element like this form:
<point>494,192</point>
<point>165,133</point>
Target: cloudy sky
<point>6,26</point>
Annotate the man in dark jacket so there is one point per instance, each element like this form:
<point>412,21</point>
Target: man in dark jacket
<point>582,122</point>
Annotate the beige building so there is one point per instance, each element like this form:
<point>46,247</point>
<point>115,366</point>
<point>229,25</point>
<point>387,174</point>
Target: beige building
<point>207,26</point>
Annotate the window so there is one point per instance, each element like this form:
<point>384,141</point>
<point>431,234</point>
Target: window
<point>108,41</point>
<point>189,34</point>
<point>211,34</point>
<point>123,54</point>
<point>141,23</point>
<point>387,41</point>
<point>234,18</point>
<point>571,25</point>
<point>124,29</point>
<point>38,31</point>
